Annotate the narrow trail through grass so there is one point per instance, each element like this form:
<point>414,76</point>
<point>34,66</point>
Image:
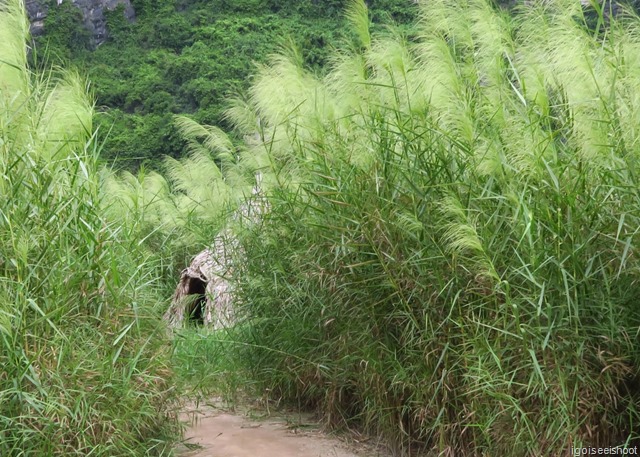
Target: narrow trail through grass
<point>225,415</point>
<point>214,431</point>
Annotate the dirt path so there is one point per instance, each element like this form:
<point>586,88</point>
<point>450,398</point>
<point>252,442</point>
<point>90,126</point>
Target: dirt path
<point>212,432</point>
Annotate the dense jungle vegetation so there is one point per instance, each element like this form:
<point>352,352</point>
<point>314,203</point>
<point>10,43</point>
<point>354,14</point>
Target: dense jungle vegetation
<point>188,57</point>
<point>447,256</point>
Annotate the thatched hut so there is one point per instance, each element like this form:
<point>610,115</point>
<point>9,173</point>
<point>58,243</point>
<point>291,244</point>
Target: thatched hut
<point>203,294</point>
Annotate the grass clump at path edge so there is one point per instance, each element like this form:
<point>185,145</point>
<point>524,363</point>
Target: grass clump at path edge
<point>84,360</point>
<point>449,256</point>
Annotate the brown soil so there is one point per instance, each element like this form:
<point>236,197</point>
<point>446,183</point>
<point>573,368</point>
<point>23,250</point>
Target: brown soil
<point>212,432</point>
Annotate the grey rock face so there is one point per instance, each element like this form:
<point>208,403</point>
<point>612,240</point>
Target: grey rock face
<point>37,12</point>
<point>92,12</point>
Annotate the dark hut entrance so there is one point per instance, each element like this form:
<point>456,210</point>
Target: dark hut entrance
<point>202,296</point>
<point>197,302</point>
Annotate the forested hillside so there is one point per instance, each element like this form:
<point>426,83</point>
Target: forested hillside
<point>188,57</point>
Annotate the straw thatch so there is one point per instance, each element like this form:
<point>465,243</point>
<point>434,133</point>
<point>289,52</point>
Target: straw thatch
<point>204,293</point>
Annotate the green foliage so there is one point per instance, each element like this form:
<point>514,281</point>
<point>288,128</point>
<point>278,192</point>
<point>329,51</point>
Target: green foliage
<point>138,139</point>
<point>85,366</point>
<point>208,363</point>
<point>186,57</point>
<point>65,30</point>
<point>119,28</point>
<point>448,257</point>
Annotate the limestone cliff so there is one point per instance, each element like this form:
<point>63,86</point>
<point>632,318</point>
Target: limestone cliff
<point>92,12</point>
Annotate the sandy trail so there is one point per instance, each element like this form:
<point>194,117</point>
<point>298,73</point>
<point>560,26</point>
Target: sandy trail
<point>216,433</point>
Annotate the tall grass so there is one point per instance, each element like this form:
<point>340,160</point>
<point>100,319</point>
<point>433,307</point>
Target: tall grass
<point>449,259</point>
<point>84,361</point>
<point>178,210</point>
<point>208,363</point>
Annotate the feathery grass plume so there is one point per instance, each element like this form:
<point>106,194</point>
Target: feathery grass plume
<point>242,116</point>
<point>200,190</point>
<point>357,14</point>
<point>277,102</point>
<point>448,19</point>
<point>215,139</point>
<point>445,52</point>
<point>67,111</point>
<point>212,140</point>
<point>279,105</point>
<point>253,158</point>
<point>349,77</point>
<point>461,237</point>
<point>14,27</point>
<point>494,48</point>
<point>391,65</point>
<point>144,200</point>
<point>14,77</point>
